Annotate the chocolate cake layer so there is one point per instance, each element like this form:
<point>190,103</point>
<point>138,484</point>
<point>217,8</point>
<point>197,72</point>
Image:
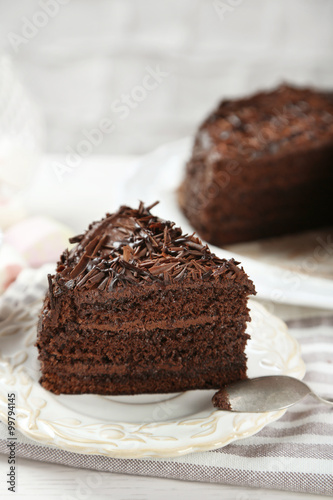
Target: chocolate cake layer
<point>137,306</point>
<point>174,303</point>
<point>261,167</point>
<point>169,346</point>
<point>156,383</point>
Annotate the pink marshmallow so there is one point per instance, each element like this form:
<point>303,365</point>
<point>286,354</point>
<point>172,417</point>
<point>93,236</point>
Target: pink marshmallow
<point>10,272</point>
<point>11,264</point>
<point>39,239</point>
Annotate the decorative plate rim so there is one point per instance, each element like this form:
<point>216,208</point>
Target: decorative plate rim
<point>19,307</point>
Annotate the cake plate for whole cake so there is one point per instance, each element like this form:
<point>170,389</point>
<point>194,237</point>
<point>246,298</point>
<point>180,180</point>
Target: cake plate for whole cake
<point>165,425</point>
<point>295,269</point>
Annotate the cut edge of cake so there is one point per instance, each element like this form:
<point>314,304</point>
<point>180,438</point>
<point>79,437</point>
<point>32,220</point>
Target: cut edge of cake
<point>139,307</point>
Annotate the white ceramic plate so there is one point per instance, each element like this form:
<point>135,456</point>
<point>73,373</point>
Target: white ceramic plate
<point>132,426</point>
<point>302,263</point>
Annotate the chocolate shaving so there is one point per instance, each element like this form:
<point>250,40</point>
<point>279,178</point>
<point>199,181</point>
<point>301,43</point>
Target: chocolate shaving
<point>179,276</point>
<point>133,246</point>
<point>52,301</point>
<point>127,253</point>
<point>76,239</point>
<point>100,244</point>
<point>91,246</point>
<point>152,206</point>
<point>103,284</point>
<point>80,267</point>
<point>155,270</point>
<point>192,244</point>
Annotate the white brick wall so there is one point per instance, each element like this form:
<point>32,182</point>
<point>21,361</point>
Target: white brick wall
<point>93,51</point>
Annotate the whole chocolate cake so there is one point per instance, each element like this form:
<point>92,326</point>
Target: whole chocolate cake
<point>262,166</point>
<point>139,307</point>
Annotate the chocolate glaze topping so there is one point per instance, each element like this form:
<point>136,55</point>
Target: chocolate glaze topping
<point>133,246</point>
<point>267,123</point>
<point>261,167</point>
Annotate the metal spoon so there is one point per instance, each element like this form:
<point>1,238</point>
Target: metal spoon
<point>262,394</point>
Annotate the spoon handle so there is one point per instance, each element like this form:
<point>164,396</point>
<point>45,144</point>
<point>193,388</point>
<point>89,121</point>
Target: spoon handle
<point>322,400</point>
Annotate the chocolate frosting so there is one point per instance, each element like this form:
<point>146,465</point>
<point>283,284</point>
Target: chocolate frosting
<point>266,123</point>
<point>132,246</point>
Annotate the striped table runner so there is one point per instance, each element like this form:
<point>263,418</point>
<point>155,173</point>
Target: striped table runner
<point>294,453</point>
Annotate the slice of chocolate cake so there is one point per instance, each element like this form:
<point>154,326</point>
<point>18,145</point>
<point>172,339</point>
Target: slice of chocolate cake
<point>261,167</point>
<point>139,307</point>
